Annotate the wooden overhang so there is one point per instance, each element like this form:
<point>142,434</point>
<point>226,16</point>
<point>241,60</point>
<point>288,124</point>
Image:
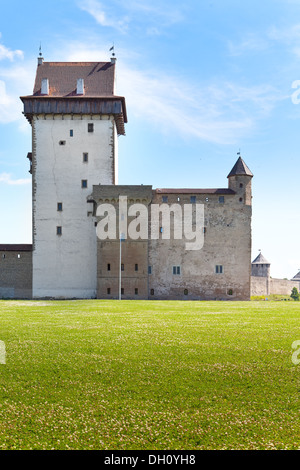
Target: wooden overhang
<point>113,105</point>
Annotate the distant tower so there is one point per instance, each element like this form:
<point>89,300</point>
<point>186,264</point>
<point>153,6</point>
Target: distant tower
<point>239,180</point>
<point>260,267</point>
<point>76,119</point>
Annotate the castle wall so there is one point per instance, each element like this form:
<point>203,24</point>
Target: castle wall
<point>227,243</point>
<point>15,274</point>
<point>65,265</point>
<point>259,286</point>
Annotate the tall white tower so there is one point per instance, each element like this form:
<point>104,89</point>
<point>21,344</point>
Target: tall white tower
<point>76,119</point>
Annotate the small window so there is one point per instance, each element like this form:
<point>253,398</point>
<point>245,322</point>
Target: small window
<point>165,199</point>
<point>219,269</point>
<point>161,229</point>
<point>19,256</point>
<point>62,142</point>
<point>136,267</point>
<point>149,269</point>
<point>108,291</point>
<point>71,132</point>
<point>85,157</point>
<point>178,198</point>
<point>185,292</point>
<point>84,183</point>
<point>176,270</point>
<point>3,256</point>
<point>241,185</point>
<point>59,230</point>
<point>230,292</point>
<point>108,267</point>
<point>151,291</point>
<point>122,290</point>
<point>122,267</point>
<point>136,291</point>
<point>90,127</point>
<point>193,199</point>
<point>204,229</point>
<point>59,206</point>
<point>206,199</point>
<point>241,199</point>
<point>221,199</point>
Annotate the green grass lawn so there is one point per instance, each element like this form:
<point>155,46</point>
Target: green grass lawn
<point>149,375</point>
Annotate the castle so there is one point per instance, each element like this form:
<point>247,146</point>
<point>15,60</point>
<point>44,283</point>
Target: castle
<point>76,120</point>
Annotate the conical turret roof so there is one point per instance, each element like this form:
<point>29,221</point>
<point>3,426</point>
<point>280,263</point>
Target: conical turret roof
<point>240,168</point>
<point>260,259</point>
<point>297,277</point>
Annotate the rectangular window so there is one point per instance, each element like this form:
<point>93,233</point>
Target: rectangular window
<point>108,267</point>
<point>58,230</point>
<point>165,199</point>
<point>176,270</point>
<point>219,269</point>
<point>136,291</point>
<point>71,132</point>
<point>90,127</point>
<point>122,290</point>
<point>59,206</point>
<point>136,267</point>
<point>151,291</point>
<point>108,291</point>
<point>62,142</point>
<point>221,199</point>
<point>122,267</point>
<point>85,157</point>
<point>149,269</point>
<point>84,183</point>
<point>19,256</point>
<point>193,199</point>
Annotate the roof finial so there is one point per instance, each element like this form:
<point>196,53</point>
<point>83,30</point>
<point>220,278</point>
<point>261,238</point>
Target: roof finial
<point>40,58</point>
<point>113,58</point>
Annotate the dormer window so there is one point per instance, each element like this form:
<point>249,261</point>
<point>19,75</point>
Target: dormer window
<point>45,86</point>
<point>80,86</point>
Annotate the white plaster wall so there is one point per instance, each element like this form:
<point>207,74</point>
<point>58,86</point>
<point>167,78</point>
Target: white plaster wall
<point>66,266</point>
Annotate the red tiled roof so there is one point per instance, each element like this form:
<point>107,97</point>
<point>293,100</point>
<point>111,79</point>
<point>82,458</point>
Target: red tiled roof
<point>98,78</point>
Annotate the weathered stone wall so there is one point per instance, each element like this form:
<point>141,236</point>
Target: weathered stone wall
<point>227,243</point>
<point>15,274</point>
<point>259,286</point>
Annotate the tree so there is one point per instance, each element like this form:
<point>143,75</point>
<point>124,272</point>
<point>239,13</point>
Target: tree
<point>295,294</point>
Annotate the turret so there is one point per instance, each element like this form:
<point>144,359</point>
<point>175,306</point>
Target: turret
<point>239,180</point>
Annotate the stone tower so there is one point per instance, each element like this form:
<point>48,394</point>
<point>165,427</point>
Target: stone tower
<point>260,267</point>
<point>76,119</point>
<point>239,180</point>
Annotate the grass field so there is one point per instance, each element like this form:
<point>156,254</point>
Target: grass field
<point>149,375</point>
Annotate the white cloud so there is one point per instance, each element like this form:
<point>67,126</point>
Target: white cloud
<point>97,10</point>
<point>6,178</point>
<point>6,53</point>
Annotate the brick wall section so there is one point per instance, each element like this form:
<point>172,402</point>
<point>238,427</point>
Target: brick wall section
<point>16,272</point>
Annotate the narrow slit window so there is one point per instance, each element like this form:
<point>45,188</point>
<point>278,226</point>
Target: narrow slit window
<point>122,267</point>
<point>71,132</point>
<point>122,290</point>
<point>59,230</point>
<point>136,291</point>
<point>108,291</point>
<point>108,267</point>
<point>136,267</point>
<point>85,157</point>
<point>59,206</point>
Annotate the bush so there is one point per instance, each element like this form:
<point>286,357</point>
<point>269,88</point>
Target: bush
<point>295,294</point>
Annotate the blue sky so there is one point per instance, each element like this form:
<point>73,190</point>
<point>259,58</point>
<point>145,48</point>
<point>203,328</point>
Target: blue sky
<point>203,79</point>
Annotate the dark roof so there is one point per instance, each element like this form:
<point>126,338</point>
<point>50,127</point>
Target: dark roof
<point>296,277</point>
<point>10,247</point>
<point>98,78</point>
<point>260,259</point>
<point>240,168</point>
<point>194,191</point>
